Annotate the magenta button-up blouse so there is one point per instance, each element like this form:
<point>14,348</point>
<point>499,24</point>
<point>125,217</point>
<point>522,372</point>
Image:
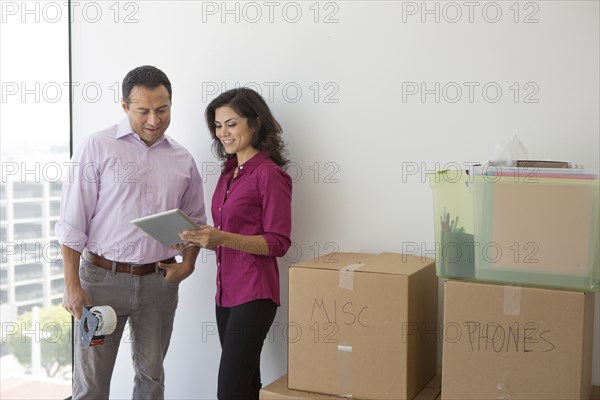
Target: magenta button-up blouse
<point>257,202</point>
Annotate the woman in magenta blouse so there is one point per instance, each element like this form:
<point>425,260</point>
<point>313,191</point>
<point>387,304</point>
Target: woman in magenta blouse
<point>251,210</point>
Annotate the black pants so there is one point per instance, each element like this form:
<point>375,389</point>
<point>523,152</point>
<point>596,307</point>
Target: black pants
<point>242,332</point>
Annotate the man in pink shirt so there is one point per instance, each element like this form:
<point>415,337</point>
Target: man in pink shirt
<point>124,172</point>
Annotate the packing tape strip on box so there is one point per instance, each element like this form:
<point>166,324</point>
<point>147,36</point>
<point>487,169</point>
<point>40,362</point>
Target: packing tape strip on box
<point>347,276</point>
<point>97,322</point>
<point>344,371</point>
<point>503,390</point>
<point>512,300</point>
<point>346,281</point>
<point>512,307</point>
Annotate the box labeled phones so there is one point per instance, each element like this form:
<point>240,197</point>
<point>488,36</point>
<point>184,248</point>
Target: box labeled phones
<point>511,342</point>
<point>362,325</point>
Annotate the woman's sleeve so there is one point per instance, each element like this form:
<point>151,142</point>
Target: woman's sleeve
<point>277,210</point>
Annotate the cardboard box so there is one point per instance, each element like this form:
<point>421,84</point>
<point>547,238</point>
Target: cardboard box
<point>362,325</point>
<point>432,390</point>
<point>595,393</point>
<point>516,342</point>
<point>278,390</point>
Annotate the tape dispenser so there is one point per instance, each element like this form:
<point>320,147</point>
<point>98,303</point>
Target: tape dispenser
<point>97,322</point>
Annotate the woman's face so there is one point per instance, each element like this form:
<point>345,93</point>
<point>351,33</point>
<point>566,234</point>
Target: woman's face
<point>233,131</point>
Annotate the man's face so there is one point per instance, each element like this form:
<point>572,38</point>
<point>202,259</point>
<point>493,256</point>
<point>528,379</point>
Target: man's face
<point>149,112</point>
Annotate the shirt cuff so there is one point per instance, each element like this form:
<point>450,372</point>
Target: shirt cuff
<point>70,236</point>
<point>278,245</point>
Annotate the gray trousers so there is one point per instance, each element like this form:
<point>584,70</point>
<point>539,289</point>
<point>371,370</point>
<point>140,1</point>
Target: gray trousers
<point>148,302</point>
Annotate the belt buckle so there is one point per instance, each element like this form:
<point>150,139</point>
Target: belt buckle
<point>132,267</point>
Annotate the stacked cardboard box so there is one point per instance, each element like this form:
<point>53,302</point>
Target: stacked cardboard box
<point>278,390</point>
<point>537,228</point>
<point>363,325</point>
<point>511,342</point>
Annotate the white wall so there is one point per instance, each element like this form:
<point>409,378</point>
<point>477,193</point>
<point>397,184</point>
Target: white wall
<point>353,145</point>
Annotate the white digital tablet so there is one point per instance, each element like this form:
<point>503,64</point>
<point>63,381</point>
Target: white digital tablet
<point>166,226</point>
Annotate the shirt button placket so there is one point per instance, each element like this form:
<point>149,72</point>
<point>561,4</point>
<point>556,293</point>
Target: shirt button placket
<point>219,276</point>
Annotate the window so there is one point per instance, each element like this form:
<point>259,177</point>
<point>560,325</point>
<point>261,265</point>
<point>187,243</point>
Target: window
<point>54,208</point>
<point>28,210</point>
<point>3,277</point>
<point>26,293</point>
<point>28,231</point>
<point>55,187</point>
<point>28,190</point>
<point>34,140</point>
<point>29,271</point>
<point>52,224</point>
<point>56,267</point>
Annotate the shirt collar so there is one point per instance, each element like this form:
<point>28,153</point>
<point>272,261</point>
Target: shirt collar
<point>124,129</point>
<point>248,166</point>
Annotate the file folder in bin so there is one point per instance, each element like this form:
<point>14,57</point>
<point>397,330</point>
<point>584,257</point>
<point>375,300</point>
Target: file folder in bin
<point>537,226</point>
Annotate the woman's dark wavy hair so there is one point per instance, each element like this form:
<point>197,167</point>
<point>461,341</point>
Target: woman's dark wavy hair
<point>249,104</point>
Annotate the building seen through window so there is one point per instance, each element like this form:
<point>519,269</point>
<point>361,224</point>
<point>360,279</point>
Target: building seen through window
<point>35,339</point>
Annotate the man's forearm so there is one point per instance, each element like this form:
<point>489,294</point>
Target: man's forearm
<point>70,266</point>
<point>189,254</point>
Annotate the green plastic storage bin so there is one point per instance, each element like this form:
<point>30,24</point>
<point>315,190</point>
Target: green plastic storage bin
<point>528,226</point>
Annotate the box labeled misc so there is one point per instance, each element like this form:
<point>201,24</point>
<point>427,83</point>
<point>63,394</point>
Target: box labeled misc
<point>512,342</point>
<point>362,325</point>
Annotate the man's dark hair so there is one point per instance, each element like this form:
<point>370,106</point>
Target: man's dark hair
<point>147,76</point>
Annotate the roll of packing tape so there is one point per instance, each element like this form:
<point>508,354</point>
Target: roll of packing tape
<point>107,319</point>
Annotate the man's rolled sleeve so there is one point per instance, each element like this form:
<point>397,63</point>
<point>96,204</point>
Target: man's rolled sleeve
<point>78,201</point>
<point>70,236</point>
